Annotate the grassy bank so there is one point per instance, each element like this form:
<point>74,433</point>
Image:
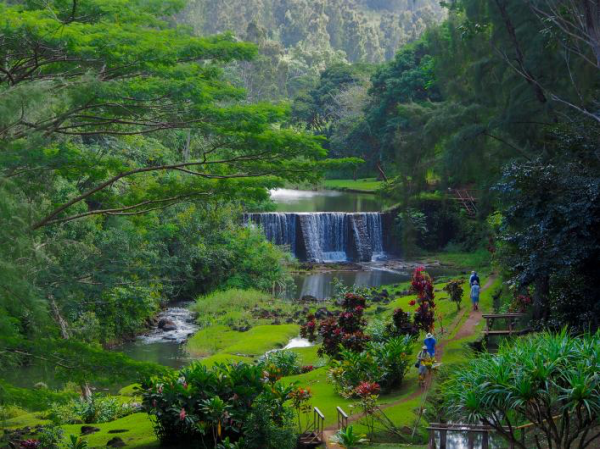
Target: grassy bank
<point>359,185</point>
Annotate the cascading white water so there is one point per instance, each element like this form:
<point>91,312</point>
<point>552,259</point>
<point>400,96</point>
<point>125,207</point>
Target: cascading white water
<point>326,236</point>
<point>375,230</point>
<point>279,228</point>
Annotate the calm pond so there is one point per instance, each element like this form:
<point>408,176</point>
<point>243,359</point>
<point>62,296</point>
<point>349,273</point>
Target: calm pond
<point>288,200</point>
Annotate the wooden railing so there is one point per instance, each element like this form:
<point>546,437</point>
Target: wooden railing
<point>314,437</point>
<point>319,423</point>
<point>342,419</point>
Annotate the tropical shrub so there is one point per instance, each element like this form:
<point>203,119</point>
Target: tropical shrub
<point>368,392</point>
<point>393,358</point>
<point>401,324</point>
<point>96,409</point>
<point>269,426</point>
<point>345,331</point>
<point>301,404</point>
<point>281,363</point>
<point>50,437</point>
<point>209,406</point>
<point>422,285</point>
<point>385,363</point>
<point>548,380</point>
<point>350,369</point>
<point>76,442</point>
<point>455,291</point>
<point>348,439</point>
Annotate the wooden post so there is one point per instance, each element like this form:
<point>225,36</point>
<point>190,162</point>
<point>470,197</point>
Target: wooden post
<point>443,438</point>
<point>342,419</point>
<point>432,439</point>
<point>485,442</point>
<point>471,439</point>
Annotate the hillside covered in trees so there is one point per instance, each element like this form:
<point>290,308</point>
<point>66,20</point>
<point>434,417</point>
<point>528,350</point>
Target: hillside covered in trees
<point>299,38</point>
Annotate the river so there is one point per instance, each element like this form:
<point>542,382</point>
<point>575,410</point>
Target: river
<point>166,347</point>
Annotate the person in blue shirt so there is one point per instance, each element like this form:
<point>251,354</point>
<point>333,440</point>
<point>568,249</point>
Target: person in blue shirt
<point>475,289</point>
<point>474,278</point>
<point>430,343</point>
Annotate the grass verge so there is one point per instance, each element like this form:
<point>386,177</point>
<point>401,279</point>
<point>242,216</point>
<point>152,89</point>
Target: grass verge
<point>359,185</point>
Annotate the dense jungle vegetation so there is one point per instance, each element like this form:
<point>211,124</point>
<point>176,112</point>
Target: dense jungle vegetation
<point>134,134</point>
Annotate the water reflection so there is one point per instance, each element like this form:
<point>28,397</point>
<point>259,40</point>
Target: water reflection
<point>460,440</point>
<point>320,285</point>
<point>288,200</point>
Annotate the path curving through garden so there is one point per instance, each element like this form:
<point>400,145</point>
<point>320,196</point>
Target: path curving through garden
<point>467,329</point>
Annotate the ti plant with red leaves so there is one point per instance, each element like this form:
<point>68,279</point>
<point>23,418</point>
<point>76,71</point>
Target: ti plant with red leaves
<point>422,285</point>
<point>345,331</point>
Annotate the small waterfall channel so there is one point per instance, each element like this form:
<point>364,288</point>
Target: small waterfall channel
<point>325,236</point>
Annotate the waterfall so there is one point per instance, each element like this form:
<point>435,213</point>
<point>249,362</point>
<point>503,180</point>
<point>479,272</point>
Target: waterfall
<point>375,230</point>
<point>279,228</point>
<point>325,236</point>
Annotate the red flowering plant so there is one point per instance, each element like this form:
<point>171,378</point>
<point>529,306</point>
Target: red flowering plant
<point>520,303</point>
<point>301,404</point>
<point>422,285</point>
<point>30,444</point>
<point>368,392</point>
<point>309,329</point>
<point>307,369</point>
<point>344,331</point>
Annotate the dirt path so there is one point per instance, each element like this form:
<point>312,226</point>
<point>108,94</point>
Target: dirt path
<point>466,330</point>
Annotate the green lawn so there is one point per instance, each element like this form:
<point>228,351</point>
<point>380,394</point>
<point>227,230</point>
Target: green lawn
<point>364,185</point>
<point>138,432</point>
<point>255,342</point>
<point>479,260</point>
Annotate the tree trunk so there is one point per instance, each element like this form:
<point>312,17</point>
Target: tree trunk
<point>540,298</point>
<point>381,172</point>
<point>86,391</point>
<point>519,57</point>
<point>62,324</point>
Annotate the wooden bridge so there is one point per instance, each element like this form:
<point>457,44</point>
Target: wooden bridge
<point>510,321</point>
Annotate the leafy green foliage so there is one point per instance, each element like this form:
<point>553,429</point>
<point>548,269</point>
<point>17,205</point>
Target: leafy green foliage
<point>385,363</point>
<point>549,380</point>
<point>549,230</point>
<point>282,363</point>
<point>127,157</point>
<point>210,405</point>
<point>348,439</point>
<point>455,291</point>
<point>269,426</point>
<point>96,409</point>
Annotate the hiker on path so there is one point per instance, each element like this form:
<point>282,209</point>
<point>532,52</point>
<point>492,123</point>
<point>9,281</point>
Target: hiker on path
<point>475,289</point>
<point>422,360</point>
<point>474,278</point>
<point>430,343</point>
